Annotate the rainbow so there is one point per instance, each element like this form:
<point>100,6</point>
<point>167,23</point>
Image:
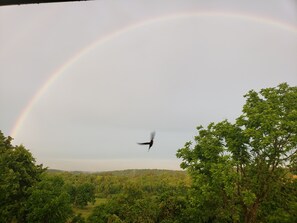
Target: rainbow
<point>101,40</point>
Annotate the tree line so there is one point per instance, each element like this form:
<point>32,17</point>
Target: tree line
<point>234,172</point>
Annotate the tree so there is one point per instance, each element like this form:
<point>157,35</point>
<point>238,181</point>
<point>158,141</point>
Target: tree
<point>18,173</point>
<point>171,206</point>
<point>132,205</point>
<point>78,219</point>
<point>105,212</point>
<point>82,194</point>
<point>49,201</point>
<point>239,169</point>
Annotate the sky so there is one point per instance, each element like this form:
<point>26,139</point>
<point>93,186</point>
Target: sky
<point>82,82</point>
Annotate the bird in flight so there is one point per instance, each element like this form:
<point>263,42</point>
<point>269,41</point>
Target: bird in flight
<point>150,143</point>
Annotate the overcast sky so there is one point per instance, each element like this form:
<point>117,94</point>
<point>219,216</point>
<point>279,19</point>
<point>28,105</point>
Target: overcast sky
<point>94,78</point>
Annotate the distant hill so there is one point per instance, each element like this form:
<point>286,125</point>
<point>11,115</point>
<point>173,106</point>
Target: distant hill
<point>133,172</point>
<point>61,171</point>
<point>128,172</point>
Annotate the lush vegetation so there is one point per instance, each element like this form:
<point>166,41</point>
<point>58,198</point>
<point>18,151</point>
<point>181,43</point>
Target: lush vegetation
<point>235,172</point>
<point>243,171</point>
<point>31,193</point>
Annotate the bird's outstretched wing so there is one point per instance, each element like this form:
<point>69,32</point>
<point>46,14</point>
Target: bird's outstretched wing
<point>143,143</point>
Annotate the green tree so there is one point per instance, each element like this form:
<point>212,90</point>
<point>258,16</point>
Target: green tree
<point>78,219</point>
<point>132,205</point>
<point>49,201</point>
<point>171,206</point>
<point>239,169</point>
<point>81,194</point>
<point>18,173</point>
<point>106,212</point>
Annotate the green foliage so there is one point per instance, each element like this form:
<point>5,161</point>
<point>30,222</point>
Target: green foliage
<point>145,196</point>
<point>82,194</point>
<point>171,207</point>
<point>239,169</point>
<point>129,195</point>
<point>78,219</point>
<point>49,202</point>
<point>102,213</point>
<point>18,173</point>
<point>281,205</point>
<point>122,196</point>
<point>126,208</point>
